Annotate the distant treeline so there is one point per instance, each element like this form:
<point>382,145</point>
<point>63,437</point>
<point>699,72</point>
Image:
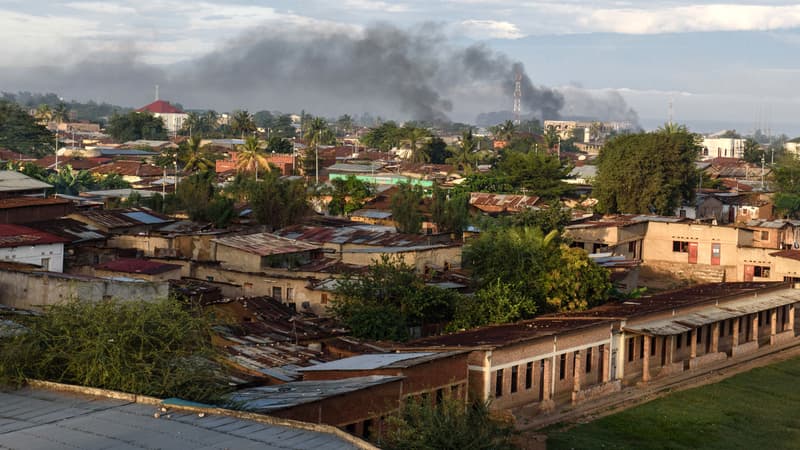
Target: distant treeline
<point>78,111</point>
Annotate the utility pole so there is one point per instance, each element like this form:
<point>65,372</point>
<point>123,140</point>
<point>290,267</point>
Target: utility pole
<point>316,157</point>
<point>762,172</point>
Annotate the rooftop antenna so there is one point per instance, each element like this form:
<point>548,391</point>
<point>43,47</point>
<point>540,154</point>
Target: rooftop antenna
<point>156,92</point>
<point>517,97</point>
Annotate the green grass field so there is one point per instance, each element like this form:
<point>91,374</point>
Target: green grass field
<point>759,409</point>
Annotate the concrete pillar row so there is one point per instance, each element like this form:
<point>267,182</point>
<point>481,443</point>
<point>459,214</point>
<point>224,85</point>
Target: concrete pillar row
<point>773,323</point>
<point>670,349</point>
<point>606,355</point>
<point>791,317</point>
<point>577,370</point>
<point>547,382</point>
<point>735,338</point>
<point>754,336</point>
<point>693,343</point>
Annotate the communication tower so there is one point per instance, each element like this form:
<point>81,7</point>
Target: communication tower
<point>517,97</point>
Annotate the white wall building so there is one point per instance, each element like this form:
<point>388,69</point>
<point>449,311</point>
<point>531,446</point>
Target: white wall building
<point>722,147</point>
<point>173,117</point>
<point>25,245</point>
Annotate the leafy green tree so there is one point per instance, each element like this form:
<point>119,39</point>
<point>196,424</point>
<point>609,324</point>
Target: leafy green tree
<point>277,203</point>
<point>317,132</point>
<point>550,138</point>
<point>753,151</point>
<point>387,299</point>
<point>383,137</point>
<point>155,348</point>
<point>136,125</point>
<point>647,172</point>
<point>194,194</point>
<point>71,182</point>
<point>345,124</point>
<point>787,185</point>
<point>536,173</point>
<point>448,425</point>
<point>496,302</point>
<point>406,208</point>
<point>20,132</point>
<point>451,215</point>
<point>504,131</point>
<point>577,283</point>
<point>277,144</point>
<point>220,211</point>
<point>111,181</point>
<point>348,195</point>
<point>553,217</point>
<point>436,149</point>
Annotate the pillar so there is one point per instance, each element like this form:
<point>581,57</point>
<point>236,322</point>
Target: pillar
<point>646,359</point>
<point>693,344</point>
<point>715,337</point>
<point>606,354</point>
<point>670,350</point>
<point>577,372</point>
<point>773,323</point>
<point>735,336</point>
<point>754,336</point>
<point>547,382</point>
<point>791,318</point>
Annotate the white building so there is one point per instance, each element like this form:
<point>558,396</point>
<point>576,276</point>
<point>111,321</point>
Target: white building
<point>722,147</point>
<point>25,245</point>
<point>173,117</point>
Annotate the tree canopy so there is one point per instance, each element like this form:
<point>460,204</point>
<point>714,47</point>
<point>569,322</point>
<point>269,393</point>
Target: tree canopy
<point>158,348</point>
<point>20,132</point>
<point>134,126</point>
<point>647,172</point>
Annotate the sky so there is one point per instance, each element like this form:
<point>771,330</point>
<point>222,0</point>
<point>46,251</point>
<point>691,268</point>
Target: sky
<point>720,65</point>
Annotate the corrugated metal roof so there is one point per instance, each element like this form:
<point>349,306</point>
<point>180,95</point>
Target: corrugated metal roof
<point>144,217</point>
<point>265,244</point>
<point>265,399</point>
<point>34,418</point>
<point>352,235</point>
<point>502,202</point>
<point>69,229</point>
<point>370,362</point>
<point>11,181</point>
<point>371,214</point>
<point>135,265</point>
<point>18,235</point>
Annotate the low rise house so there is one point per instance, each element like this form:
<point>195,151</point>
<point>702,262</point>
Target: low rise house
<point>26,209</point>
<point>15,184</point>
<point>122,221</point>
<point>259,251</point>
<point>172,116</point>
<point>22,244</point>
<point>500,204</point>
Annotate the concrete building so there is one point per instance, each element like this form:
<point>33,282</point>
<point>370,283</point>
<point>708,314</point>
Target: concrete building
<point>173,117</point>
<point>259,251</point>
<point>140,269</point>
<point>21,244</point>
<point>15,184</point>
<point>722,147</point>
<point>27,209</point>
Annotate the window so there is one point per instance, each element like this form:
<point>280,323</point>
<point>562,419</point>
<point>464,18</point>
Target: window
<point>722,328</point>
<point>682,213</point>
<point>740,325</point>
<point>45,263</point>
<point>562,368</point>
<point>699,335</point>
<point>514,378</point>
<point>761,271</point>
<point>588,360</point>
<point>652,345</point>
<point>630,349</point>
<point>600,358</point>
<point>765,235</point>
<point>768,315</point>
<point>324,299</point>
<point>680,246</point>
<point>440,395</point>
<point>289,294</point>
<point>641,346</point>
<point>529,375</point>
<point>688,338</point>
<point>498,383</point>
<point>276,293</point>
<point>679,342</point>
<point>632,247</point>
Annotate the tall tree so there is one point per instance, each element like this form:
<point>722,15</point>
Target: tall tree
<point>383,137</point>
<point>242,123</point>
<point>406,208</point>
<point>787,185</point>
<point>464,153</point>
<point>647,172</point>
<point>504,131</point>
<point>251,157</point>
<point>194,156</point>
<point>20,132</point>
<point>753,151</point>
<point>415,137</point>
<point>317,132</point>
<point>535,173</point>
<point>278,203</point>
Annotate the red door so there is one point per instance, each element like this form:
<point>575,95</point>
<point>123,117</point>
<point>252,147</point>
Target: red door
<point>692,252</point>
<point>749,271</point>
<point>715,254</point>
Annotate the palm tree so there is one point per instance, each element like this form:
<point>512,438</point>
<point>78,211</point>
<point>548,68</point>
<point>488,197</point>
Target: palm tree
<point>61,112</point>
<point>251,156</point>
<point>192,124</point>
<point>504,131</point>
<point>242,123</point>
<point>43,113</point>
<point>413,136</point>
<point>551,138</point>
<point>463,155</point>
<point>194,156</point>
<point>317,132</point>
<point>672,128</point>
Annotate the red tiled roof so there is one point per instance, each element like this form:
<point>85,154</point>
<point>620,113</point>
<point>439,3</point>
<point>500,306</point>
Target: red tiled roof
<point>129,168</point>
<point>18,236</point>
<point>134,265</point>
<point>160,107</point>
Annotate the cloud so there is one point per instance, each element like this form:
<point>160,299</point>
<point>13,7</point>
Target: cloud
<point>376,5</point>
<point>101,7</point>
<point>483,29</point>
